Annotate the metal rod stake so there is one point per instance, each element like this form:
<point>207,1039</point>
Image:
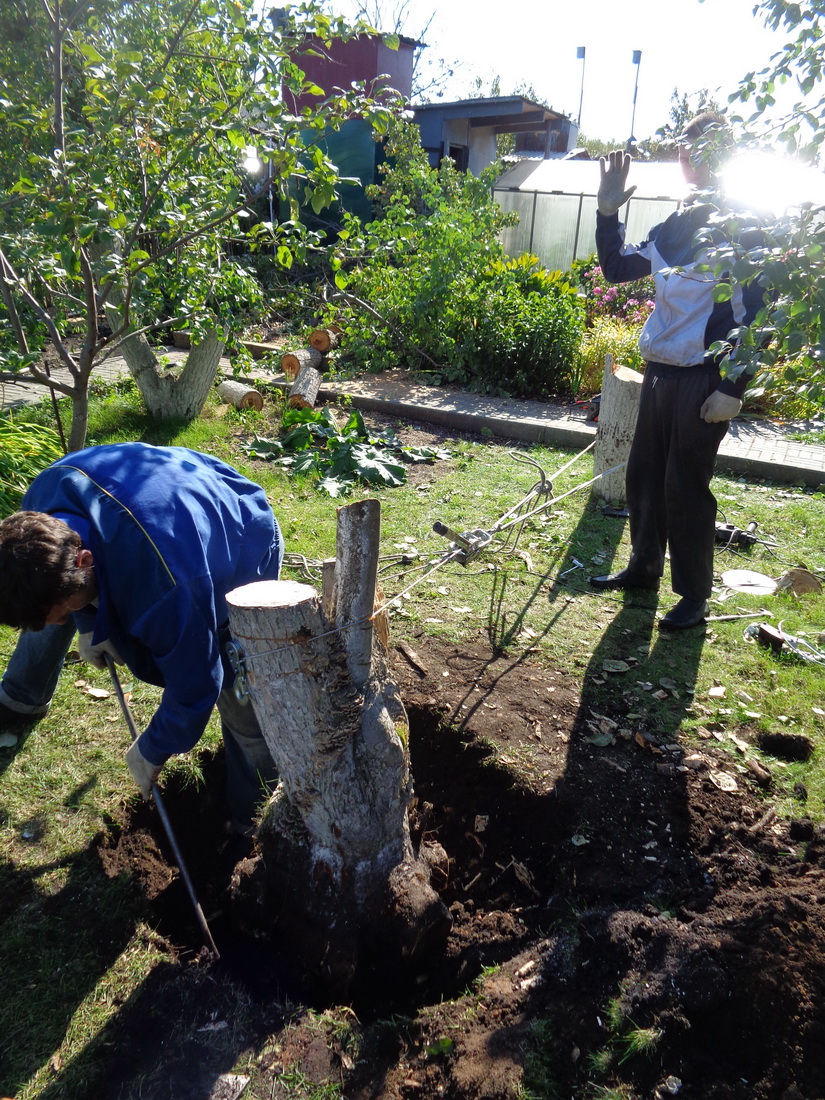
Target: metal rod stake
<point>164,817</point>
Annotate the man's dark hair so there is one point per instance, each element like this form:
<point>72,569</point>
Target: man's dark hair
<point>709,133</point>
<point>38,568</point>
<point>700,123</point>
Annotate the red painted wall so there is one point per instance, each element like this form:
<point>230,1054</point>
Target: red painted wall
<point>363,58</point>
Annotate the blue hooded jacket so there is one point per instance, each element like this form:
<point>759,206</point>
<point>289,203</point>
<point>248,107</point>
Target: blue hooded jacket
<point>171,532</point>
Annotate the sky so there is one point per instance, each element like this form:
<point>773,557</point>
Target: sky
<point>684,44</point>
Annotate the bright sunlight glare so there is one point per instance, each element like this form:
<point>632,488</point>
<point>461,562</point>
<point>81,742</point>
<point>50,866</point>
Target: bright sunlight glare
<point>252,162</point>
<point>772,183</point>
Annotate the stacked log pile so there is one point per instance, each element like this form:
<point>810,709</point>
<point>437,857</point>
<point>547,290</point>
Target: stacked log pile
<point>306,367</point>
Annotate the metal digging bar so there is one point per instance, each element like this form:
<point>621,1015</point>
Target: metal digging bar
<point>167,824</point>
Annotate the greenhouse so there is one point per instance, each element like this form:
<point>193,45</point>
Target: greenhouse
<point>556,204</point>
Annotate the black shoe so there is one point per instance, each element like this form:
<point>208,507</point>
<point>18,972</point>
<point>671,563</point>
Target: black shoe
<point>625,579</point>
<point>685,614</point>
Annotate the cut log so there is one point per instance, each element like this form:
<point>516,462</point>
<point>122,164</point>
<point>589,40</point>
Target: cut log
<point>335,837</point>
<point>304,390</point>
<point>294,361</point>
<point>618,412</point>
<point>324,340</point>
<point>240,395</point>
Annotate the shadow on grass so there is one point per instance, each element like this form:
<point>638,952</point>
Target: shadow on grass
<point>55,946</point>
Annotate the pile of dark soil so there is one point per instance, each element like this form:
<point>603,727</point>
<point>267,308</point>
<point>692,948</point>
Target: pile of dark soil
<point>628,922</point>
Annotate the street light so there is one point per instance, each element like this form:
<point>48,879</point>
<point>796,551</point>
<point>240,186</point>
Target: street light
<point>631,141</point>
<point>580,57</point>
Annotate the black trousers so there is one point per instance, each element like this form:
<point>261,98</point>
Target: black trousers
<point>668,478</point>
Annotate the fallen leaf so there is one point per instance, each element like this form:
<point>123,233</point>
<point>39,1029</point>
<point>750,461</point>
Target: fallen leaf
<point>97,693</point>
<point>667,683</point>
<point>718,691</point>
<point>461,610</point>
<point>600,740</point>
<point>615,666</point>
<point>723,780</point>
<point>578,840</point>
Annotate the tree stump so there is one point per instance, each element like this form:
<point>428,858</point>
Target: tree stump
<point>240,395</point>
<point>336,881</point>
<point>293,361</point>
<point>618,412</point>
<point>303,392</point>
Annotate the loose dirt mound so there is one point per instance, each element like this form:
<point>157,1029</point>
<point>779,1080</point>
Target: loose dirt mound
<point>626,917</point>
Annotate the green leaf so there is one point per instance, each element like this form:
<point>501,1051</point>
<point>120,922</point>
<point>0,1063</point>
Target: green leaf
<point>335,486</point>
<point>722,292</point>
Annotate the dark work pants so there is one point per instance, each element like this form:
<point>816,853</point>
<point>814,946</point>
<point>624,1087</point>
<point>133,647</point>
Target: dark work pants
<point>668,478</point>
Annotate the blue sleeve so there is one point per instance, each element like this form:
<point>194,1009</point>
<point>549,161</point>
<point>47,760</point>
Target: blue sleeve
<point>181,633</point>
<point>619,263</point>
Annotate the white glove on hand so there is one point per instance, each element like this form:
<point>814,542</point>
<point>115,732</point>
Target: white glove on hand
<point>720,406</point>
<point>93,654</point>
<point>143,773</point>
<point>613,190</point>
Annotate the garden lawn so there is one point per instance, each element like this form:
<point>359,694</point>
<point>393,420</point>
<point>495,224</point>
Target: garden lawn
<point>634,838</point>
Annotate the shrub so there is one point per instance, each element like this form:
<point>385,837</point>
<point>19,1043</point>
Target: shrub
<point>25,450</point>
<point>605,336</point>
<point>427,286</point>
<point>631,302</point>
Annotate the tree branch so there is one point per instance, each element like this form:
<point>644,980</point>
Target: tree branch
<point>40,312</point>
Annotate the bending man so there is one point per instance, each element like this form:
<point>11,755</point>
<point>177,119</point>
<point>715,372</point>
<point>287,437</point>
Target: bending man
<point>136,547</point>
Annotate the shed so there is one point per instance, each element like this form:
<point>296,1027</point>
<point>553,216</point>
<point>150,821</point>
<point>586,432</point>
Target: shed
<point>556,203</point>
<point>466,129</point>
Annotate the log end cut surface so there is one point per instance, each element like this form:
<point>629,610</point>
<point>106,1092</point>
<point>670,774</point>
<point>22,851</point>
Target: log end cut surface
<point>268,594</point>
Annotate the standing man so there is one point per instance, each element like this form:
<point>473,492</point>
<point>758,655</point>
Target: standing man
<point>136,547</point>
<point>686,405</point>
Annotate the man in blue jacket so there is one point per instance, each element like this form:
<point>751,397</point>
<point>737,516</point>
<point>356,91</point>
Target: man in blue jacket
<point>136,547</point>
<point>686,405</point>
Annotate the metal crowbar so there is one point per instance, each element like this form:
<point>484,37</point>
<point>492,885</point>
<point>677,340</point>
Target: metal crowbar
<point>167,824</point>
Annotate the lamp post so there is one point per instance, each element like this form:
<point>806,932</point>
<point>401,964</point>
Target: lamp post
<point>580,57</point>
<point>631,141</point>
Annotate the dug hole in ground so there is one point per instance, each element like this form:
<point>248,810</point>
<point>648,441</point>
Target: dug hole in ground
<point>628,921</point>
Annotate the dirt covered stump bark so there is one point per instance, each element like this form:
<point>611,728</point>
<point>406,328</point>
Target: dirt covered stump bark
<point>336,882</point>
<point>618,413</point>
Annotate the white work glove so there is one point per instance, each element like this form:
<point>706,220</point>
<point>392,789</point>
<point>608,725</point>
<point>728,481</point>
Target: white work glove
<point>143,773</point>
<point>613,189</point>
<point>93,654</point>
<point>720,406</point>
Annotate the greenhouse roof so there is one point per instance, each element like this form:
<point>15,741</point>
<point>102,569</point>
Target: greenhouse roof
<point>653,179</point>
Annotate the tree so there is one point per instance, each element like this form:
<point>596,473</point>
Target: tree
<point>122,174</point>
<point>785,347</point>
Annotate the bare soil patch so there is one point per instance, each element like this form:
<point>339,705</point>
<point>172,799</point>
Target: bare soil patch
<point>597,891</point>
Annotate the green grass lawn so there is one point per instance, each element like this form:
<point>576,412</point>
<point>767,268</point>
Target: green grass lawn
<point>61,789</point>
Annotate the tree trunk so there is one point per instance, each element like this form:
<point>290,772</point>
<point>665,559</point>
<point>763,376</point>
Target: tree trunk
<point>336,881</point>
<point>293,361</point>
<point>618,411</point>
<point>304,390</point>
<point>240,395</point>
<point>167,391</point>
